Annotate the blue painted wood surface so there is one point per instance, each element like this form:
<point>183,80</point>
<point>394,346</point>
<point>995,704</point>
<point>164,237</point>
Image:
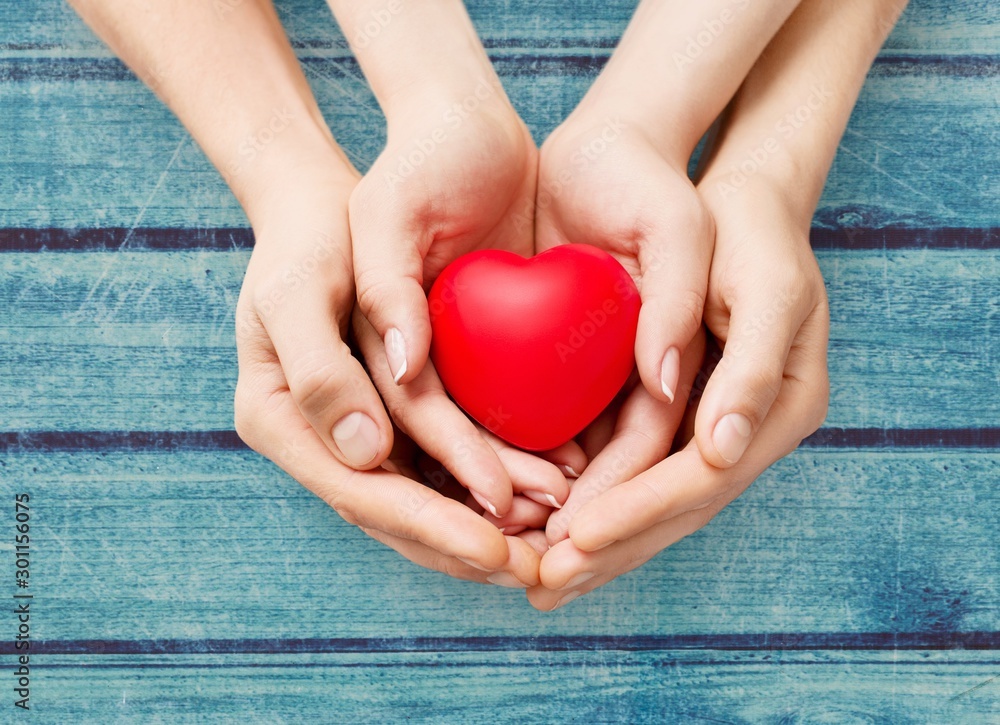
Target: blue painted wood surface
<point>182,578</point>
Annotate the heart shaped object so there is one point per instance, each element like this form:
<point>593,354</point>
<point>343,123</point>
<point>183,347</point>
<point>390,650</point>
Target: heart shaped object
<point>534,349</point>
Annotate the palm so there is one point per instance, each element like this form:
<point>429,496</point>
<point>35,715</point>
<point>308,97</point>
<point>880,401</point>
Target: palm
<point>618,199</point>
<point>471,192</point>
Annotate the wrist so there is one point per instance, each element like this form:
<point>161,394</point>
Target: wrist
<point>412,50</point>
<point>295,184</point>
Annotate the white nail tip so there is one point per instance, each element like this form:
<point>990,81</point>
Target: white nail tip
<point>552,500</point>
<point>568,470</point>
<point>399,375</point>
<point>667,392</point>
<point>493,509</point>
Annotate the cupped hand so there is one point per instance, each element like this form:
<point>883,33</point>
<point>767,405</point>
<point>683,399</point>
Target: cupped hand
<point>306,403</point>
<point>602,181</point>
<point>458,174</point>
<point>767,309</point>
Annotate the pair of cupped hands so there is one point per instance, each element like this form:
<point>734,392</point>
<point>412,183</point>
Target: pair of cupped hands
<point>351,258</point>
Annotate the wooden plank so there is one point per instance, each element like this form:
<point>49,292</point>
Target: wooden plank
<point>942,26</point>
<point>193,545</point>
<point>921,150</point>
<point>669,686</point>
<point>144,341</point>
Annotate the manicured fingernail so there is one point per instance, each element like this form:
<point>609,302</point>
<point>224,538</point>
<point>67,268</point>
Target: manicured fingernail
<point>356,435</point>
<point>568,471</point>
<point>502,529</point>
<point>486,504</point>
<point>578,579</point>
<point>566,600</point>
<point>546,499</point>
<point>395,353</point>
<point>505,579</point>
<point>732,436</point>
<point>471,563</point>
<point>670,372</point>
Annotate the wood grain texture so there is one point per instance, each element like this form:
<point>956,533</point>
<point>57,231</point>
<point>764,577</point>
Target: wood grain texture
<point>902,161</point>
<point>845,688</point>
<point>145,341</point>
<point>221,545</point>
<point>939,26</point>
<point>182,578</point>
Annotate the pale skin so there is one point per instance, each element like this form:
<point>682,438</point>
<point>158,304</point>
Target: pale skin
<point>460,172</point>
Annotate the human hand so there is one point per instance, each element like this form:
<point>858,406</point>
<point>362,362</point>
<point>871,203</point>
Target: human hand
<point>766,307</point>
<point>300,389</point>
<point>458,164</point>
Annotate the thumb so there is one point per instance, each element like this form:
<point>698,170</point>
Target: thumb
<point>748,378</point>
<point>388,268</point>
<point>674,262</point>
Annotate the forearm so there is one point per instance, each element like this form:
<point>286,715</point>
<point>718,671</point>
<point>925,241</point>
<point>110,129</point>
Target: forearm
<point>231,77</point>
<point>785,124</point>
<point>416,51</point>
<point>679,63</point>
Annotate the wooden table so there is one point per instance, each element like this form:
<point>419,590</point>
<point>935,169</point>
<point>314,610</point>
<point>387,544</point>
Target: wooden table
<point>178,576</point>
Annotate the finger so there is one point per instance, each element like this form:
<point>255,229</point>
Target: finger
<point>524,514</point>
<point>328,384</point>
<point>530,475</point>
<point>567,572</point>
<point>519,571</point>
<point>269,421</point>
<point>685,482</point>
<point>743,386</point>
<point>569,458</point>
<point>535,539</point>
<point>643,435</point>
<point>674,261</point>
<point>423,411</point>
<point>388,268</point>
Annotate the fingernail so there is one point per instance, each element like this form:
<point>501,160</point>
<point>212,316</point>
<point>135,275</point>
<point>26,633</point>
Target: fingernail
<point>566,600</point>
<point>670,372</point>
<point>546,499</point>
<point>486,504</point>
<point>732,436</point>
<point>471,563</point>
<point>568,471</point>
<point>505,579</point>
<point>395,353</point>
<point>356,435</point>
<point>578,579</point>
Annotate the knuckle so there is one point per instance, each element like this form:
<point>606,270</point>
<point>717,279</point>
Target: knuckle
<point>373,289</point>
<point>315,387</point>
<point>761,387</point>
<point>689,308</point>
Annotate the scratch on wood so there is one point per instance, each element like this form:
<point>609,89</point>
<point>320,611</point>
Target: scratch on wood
<point>984,683</point>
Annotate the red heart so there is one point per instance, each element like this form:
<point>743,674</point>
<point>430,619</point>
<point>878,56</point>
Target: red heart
<point>534,349</point>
